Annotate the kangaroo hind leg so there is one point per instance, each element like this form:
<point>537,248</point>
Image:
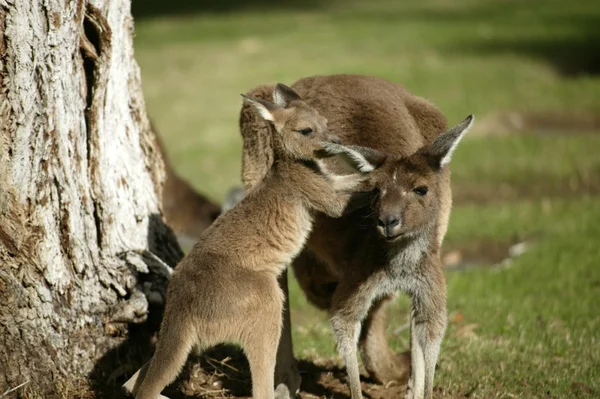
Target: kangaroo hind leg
<point>260,341</point>
<point>174,344</point>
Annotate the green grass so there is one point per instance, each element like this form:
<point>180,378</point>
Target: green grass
<point>536,322</point>
<point>466,56</point>
<point>529,330</point>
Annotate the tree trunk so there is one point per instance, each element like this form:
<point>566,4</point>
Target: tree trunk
<point>83,246</point>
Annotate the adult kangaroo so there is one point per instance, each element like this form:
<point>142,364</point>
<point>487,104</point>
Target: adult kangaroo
<point>344,255</point>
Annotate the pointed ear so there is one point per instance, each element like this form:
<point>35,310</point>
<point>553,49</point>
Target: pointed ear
<point>357,158</point>
<point>264,108</point>
<point>284,95</point>
<point>440,151</point>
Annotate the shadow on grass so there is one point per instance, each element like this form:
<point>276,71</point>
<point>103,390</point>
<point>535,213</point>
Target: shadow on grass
<point>571,47</point>
<point>122,361</point>
<point>208,375</point>
<point>220,372</point>
<point>564,35</point>
<point>569,38</point>
<point>570,57</point>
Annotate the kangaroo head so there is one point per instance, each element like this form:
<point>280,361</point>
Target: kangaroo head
<point>301,131</point>
<point>408,188</point>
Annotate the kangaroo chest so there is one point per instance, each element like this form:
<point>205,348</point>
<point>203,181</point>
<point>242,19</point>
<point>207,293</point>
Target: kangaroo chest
<point>404,270</point>
<point>289,237</point>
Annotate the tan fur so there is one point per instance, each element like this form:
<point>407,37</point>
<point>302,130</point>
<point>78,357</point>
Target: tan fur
<point>226,289</point>
<point>348,267</point>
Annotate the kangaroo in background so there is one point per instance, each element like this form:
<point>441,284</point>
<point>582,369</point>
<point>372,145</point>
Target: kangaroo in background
<point>352,266</point>
<point>225,289</point>
<point>187,212</point>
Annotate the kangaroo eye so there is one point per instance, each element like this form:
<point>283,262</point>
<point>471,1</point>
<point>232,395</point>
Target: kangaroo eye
<point>420,191</point>
<point>306,131</point>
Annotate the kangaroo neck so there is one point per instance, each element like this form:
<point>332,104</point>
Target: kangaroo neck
<point>293,173</point>
<point>410,251</point>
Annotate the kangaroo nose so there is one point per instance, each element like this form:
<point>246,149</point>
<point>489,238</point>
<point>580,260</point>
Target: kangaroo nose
<point>389,221</point>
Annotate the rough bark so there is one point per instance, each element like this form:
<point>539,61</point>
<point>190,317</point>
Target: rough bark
<point>83,246</point>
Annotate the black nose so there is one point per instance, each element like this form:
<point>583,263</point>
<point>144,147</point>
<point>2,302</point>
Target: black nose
<point>388,221</point>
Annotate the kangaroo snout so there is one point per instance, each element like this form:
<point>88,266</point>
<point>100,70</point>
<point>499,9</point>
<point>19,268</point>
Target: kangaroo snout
<point>389,226</point>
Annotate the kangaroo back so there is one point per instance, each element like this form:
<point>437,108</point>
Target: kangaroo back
<point>373,112</point>
<point>361,110</point>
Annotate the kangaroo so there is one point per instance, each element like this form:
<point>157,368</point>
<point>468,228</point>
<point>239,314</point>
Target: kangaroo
<point>187,212</point>
<point>352,266</point>
<point>405,256</point>
<point>225,289</point>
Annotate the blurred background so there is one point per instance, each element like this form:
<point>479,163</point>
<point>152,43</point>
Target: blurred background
<point>523,247</point>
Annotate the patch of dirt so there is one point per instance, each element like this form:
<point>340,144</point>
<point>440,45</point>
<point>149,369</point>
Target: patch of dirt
<point>538,188</point>
<point>484,253</point>
<point>515,122</point>
<point>223,372</point>
<point>327,379</point>
<point>582,390</point>
<point>218,373</point>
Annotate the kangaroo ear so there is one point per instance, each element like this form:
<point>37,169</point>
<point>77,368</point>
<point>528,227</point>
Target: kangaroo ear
<point>357,158</point>
<point>440,151</point>
<point>264,108</point>
<point>283,95</point>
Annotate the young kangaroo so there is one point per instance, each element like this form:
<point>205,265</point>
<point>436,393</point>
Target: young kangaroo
<point>404,255</point>
<point>352,262</point>
<point>225,289</point>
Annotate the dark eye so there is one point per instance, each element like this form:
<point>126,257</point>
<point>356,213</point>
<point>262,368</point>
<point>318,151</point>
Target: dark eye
<point>420,191</point>
<point>306,131</point>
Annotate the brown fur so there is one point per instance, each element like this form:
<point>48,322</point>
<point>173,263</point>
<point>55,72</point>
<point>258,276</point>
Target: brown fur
<point>187,212</point>
<point>347,262</point>
<point>226,289</point>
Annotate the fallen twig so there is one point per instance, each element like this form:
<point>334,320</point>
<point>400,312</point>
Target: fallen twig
<point>224,363</point>
<point>14,389</point>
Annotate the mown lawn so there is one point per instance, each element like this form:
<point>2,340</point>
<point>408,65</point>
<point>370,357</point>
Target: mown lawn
<point>530,329</point>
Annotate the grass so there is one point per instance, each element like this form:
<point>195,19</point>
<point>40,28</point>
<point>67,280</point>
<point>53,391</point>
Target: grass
<point>528,330</point>
<point>536,320</point>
